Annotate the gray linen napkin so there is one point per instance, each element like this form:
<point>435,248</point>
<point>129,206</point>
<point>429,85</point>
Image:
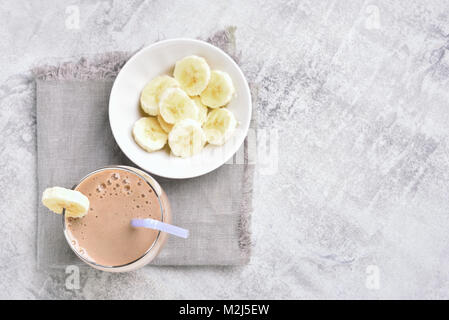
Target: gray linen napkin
<point>74,138</point>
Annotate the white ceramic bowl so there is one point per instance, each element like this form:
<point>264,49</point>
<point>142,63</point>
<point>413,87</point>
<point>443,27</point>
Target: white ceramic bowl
<point>158,59</point>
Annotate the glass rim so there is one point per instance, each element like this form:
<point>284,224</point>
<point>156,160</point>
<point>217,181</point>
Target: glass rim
<point>128,169</point>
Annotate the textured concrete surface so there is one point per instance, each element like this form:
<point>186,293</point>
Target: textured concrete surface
<point>351,199</point>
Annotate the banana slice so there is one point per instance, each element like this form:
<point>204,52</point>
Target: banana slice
<point>186,138</point>
<point>202,109</point>
<point>175,105</point>
<point>164,125</point>
<point>148,134</point>
<point>149,98</point>
<point>219,126</point>
<point>193,74</point>
<point>219,91</point>
<point>74,202</point>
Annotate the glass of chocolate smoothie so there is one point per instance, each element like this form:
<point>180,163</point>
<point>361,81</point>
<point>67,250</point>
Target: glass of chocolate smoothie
<point>104,238</point>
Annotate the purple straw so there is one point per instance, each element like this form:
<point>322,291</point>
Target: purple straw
<point>161,226</point>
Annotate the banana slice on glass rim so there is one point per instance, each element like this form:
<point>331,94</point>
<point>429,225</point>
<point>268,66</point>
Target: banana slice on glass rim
<point>149,134</point>
<point>219,126</point>
<point>74,202</point>
<point>186,138</point>
<point>151,93</point>
<point>219,90</point>
<point>175,105</point>
<point>193,74</point>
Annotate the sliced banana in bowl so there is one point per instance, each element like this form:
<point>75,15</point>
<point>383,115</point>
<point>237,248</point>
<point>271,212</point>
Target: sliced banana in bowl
<point>208,77</point>
<point>149,134</point>
<point>219,126</point>
<point>187,138</point>
<point>180,105</point>
<point>219,90</point>
<point>151,93</point>
<point>193,73</point>
<point>176,105</point>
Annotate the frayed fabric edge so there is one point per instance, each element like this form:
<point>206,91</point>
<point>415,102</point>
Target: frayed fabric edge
<point>105,66</point>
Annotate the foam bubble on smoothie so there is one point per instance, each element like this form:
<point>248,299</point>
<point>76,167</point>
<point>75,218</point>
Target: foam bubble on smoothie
<point>101,187</point>
<point>115,176</point>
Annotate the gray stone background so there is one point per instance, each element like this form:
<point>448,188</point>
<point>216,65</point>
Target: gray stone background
<point>354,96</point>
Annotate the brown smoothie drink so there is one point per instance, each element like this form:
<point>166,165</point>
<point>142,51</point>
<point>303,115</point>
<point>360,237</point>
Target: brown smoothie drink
<point>104,238</point>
